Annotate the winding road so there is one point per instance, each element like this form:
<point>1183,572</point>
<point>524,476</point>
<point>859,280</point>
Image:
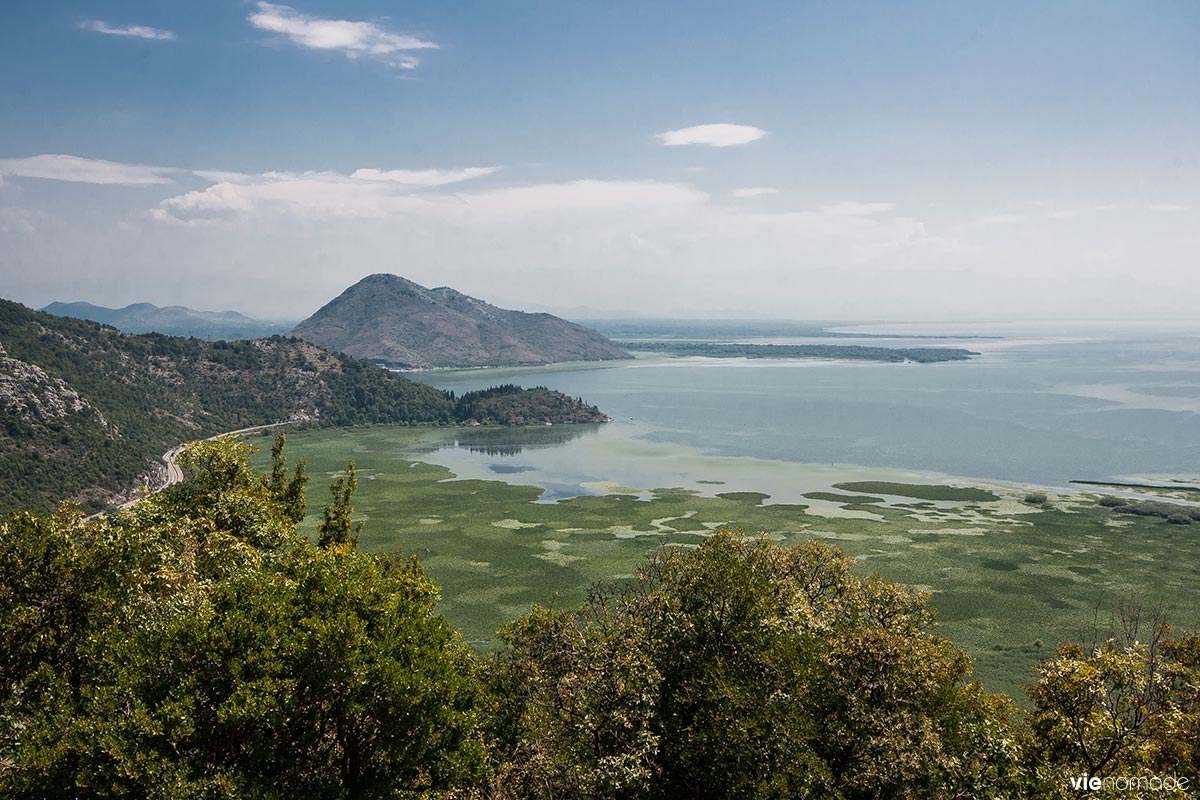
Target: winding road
<point>175,473</point>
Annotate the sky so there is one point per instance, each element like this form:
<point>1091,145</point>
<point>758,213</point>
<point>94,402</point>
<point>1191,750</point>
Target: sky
<point>800,160</point>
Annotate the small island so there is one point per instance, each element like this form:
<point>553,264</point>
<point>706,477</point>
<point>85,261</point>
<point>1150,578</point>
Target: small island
<point>841,352</point>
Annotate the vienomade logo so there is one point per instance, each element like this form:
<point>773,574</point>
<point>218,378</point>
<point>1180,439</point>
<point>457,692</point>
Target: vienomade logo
<point>1124,783</point>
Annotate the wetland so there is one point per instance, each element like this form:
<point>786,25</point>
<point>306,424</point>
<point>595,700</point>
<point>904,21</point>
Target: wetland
<point>915,476</point>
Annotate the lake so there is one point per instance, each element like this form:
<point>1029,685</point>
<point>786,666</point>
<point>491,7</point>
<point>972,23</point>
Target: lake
<point>1041,404</point>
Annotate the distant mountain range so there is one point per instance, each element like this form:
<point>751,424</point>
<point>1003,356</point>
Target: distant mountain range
<point>171,320</point>
<point>393,321</point>
<point>86,410</point>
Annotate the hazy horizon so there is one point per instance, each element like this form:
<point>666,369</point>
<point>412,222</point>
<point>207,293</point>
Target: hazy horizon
<point>780,161</point>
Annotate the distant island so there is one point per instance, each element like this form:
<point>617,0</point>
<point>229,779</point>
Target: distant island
<point>86,410</point>
<point>636,329</point>
<point>921,355</point>
<point>392,321</point>
<point>171,320</point>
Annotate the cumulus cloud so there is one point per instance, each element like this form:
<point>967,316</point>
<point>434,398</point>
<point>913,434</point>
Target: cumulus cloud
<point>57,167</point>
<point>354,39</point>
<point>367,193</point>
<point>135,31</point>
<point>753,191</point>
<point>719,134</point>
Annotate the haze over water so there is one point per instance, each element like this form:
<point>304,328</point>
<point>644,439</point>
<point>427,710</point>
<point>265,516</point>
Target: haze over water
<point>1044,404</point>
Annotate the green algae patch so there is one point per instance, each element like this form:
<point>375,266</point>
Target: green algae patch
<point>845,499</point>
<point>750,498</point>
<point>921,491</point>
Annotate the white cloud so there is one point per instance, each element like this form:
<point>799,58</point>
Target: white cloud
<point>58,167</point>
<point>424,177</point>
<point>715,135</point>
<point>1167,208</point>
<point>283,243</point>
<point>367,193</point>
<point>855,209</point>
<point>753,191</point>
<point>224,176</point>
<point>136,31</point>
<point>355,39</point>
<point>658,245</point>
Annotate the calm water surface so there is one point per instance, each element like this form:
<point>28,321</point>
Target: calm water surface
<point>1041,405</point>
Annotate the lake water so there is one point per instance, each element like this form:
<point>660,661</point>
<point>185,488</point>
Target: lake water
<point>1041,404</point>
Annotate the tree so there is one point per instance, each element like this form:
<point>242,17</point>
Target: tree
<point>1128,705</point>
<point>338,530</point>
<point>328,677</point>
<point>289,492</point>
<point>195,646</point>
<point>747,669</point>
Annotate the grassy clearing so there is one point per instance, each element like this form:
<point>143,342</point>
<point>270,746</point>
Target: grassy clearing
<point>1009,579</point>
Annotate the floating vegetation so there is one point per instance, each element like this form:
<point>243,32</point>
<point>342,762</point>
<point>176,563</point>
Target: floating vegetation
<point>1004,573</point>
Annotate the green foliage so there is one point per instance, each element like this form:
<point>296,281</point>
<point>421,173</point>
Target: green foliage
<point>196,647</point>
<point>509,404</point>
<point>1124,707</point>
<point>745,669</point>
<point>289,492</point>
<point>338,531</point>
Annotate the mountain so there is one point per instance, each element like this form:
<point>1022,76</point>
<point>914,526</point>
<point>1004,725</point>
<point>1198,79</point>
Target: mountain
<point>393,321</point>
<point>86,410</point>
<point>171,320</point>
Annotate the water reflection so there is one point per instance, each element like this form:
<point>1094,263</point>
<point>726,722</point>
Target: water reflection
<point>507,442</point>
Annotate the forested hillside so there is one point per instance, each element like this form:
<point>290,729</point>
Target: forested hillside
<point>87,409</point>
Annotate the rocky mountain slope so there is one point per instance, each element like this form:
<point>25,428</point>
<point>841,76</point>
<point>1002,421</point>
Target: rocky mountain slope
<point>171,320</point>
<point>390,320</point>
<point>86,410</point>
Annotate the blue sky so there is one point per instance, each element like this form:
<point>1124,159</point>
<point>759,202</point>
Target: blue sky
<point>917,160</point>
